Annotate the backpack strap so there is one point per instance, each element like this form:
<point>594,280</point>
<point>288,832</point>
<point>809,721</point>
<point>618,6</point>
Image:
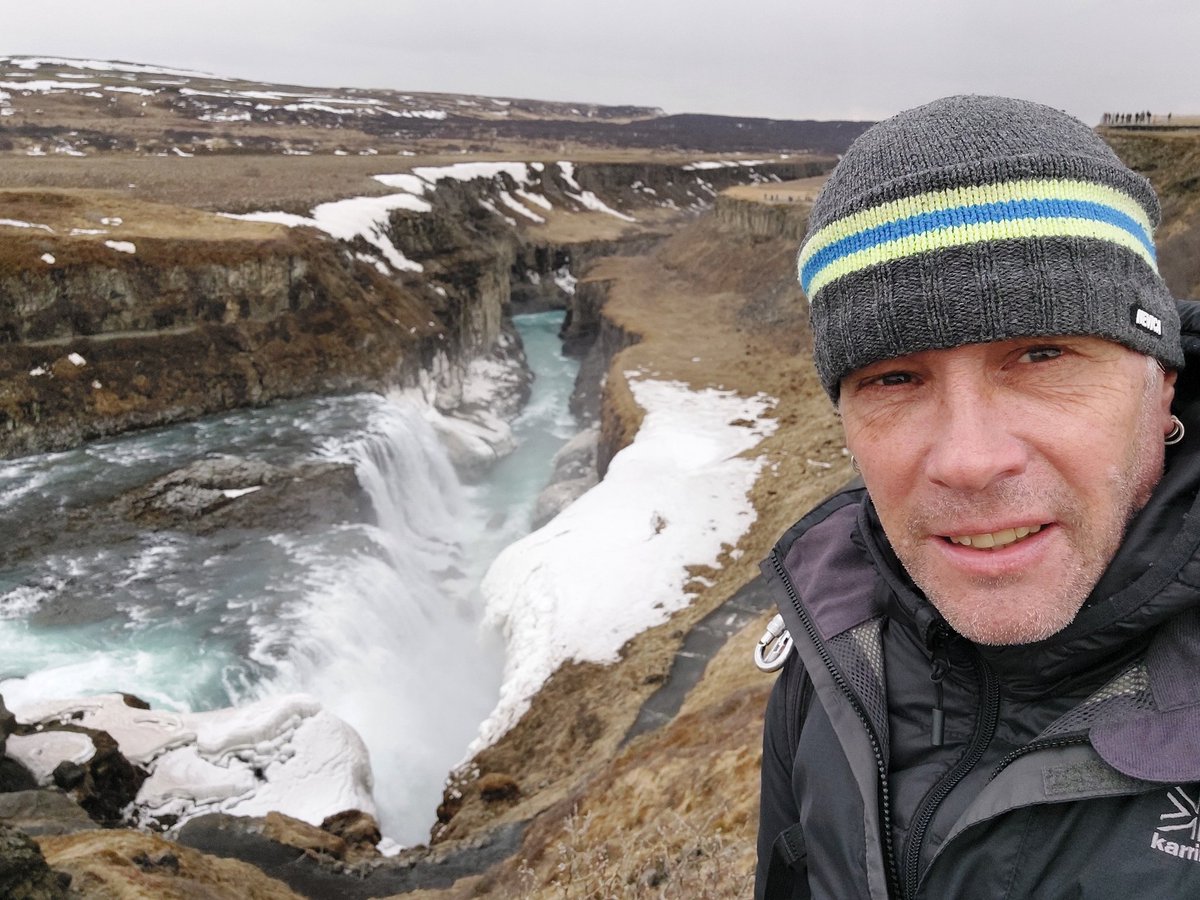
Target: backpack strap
<point>786,874</point>
<point>788,858</point>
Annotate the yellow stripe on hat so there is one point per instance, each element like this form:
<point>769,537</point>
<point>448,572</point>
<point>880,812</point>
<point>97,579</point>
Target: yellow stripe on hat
<point>967,215</point>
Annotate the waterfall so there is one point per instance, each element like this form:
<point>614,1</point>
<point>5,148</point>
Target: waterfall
<point>387,634</point>
<point>379,621</point>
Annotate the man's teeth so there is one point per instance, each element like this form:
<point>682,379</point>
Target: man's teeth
<point>995,538</point>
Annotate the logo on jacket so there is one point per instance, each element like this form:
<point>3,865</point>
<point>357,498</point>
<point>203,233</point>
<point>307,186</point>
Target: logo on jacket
<point>1178,831</point>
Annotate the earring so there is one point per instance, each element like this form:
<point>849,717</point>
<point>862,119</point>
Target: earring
<point>1176,433</point>
<point>854,462</point>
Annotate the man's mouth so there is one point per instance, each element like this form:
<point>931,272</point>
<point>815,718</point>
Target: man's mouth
<point>994,540</point>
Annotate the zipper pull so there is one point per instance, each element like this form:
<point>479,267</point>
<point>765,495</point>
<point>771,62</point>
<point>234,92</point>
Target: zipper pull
<point>940,666</point>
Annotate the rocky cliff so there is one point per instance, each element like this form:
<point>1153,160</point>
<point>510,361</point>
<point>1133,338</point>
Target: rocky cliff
<point>757,218</point>
<point>1171,160</point>
<point>156,320</point>
<point>116,314</point>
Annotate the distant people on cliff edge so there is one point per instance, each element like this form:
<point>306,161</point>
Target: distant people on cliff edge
<point>1144,117</point>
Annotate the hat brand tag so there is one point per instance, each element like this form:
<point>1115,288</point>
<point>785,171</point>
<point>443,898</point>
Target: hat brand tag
<point>1146,321</point>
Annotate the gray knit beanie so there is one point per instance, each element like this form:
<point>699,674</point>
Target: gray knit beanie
<point>976,219</point>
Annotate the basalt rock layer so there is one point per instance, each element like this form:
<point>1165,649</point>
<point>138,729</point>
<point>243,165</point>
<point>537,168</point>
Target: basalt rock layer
<point>157,315</point>
<point>97,340</point>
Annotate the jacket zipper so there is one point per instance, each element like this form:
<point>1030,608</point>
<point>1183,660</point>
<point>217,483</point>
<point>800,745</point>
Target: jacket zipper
<point>885,805</point>
<point>984,731</point>
<point>939,669</point>
<point>1039,744</point>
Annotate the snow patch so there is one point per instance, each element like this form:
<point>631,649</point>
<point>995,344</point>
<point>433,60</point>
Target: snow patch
<point>356,217</point>
<point>723,164</point>
<point>517,171</point>
<point>121,246</point>
<point>586,198</point>
<point>33,62</point>
<point>17,223</point>
<point>405,182</point>
<point>520,209</point>
<point>47,86</point>
<point>234,493</point>
<point>144,92</point>
<point>491,207</point>
<point>41,753</point>
<point>615,562</point>
<point>565,280</point>
<point>536,199</point>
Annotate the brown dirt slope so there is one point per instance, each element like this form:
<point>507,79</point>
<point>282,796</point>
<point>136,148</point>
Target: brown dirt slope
<point>1171,160</point>
<point>106,865</point>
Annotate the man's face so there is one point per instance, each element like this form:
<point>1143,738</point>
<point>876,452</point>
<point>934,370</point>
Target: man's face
<point>1004,474</point>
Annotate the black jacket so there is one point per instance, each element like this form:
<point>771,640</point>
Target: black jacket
<point>1068,768</point>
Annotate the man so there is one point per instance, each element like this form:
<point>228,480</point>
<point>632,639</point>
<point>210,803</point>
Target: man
<point>995,683</point>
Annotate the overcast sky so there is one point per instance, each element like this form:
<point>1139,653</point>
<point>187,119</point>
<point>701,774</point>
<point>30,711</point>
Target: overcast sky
<point>793,59</point>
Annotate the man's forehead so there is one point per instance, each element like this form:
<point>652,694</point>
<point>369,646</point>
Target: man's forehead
<point>982,351</point>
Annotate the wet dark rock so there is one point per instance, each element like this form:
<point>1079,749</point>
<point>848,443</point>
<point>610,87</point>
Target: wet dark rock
<point>69,775</point>
<point>14,776</point>
<point>230,492</point>
<point>7,722</point>
<point>205,497</point>
<point>44,812</point>
<point>419,867</point>
<point>104,785</point>
<point>574,474</point>
<point>24,874</point>
<point>112,781</point>
<point>166,863</point>
<point>557,497</point>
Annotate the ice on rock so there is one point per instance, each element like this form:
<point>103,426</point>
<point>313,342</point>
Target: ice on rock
<point>284,754</point>
<point>41,753</point>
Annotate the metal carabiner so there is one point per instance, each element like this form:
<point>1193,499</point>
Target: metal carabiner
<point>774,646</point>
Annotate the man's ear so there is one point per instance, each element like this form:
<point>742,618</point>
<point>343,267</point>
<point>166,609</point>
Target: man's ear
<point>1170,376</point>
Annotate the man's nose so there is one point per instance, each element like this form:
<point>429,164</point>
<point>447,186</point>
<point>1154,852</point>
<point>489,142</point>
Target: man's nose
<point>972,442</point>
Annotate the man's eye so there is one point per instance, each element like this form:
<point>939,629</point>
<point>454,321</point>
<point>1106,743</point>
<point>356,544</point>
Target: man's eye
<point>1041,354</point>
<point>891,379</point>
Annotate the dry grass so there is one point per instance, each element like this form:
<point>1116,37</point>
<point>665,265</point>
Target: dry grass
<point>675,859</point>
<point>81,222</point>
<point>128,865</point>
<point>119,217</point>
<point>1171,160</point>
<point>802,190</point>
<point>217,183</point>
<point>248,182</point>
